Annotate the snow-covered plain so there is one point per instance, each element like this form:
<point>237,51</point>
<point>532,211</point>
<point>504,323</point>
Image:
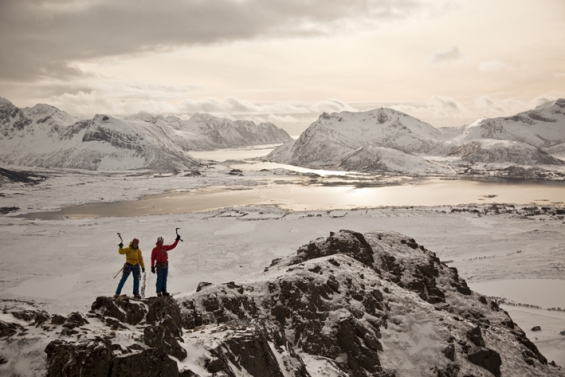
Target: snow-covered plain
<point>63,265</point>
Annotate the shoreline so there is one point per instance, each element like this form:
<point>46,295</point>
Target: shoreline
<point>124,188</point>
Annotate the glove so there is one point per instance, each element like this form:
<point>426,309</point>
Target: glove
<point>178,237</point>
<point>121,245</point>
<point>143,269</point>
<point>153,270</point>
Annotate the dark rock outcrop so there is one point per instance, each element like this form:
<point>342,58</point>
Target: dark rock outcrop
<point>475,336</point>
<point>122,309</point>
<point>8,329</point>
<point>488,359</point>
<point>250,351</point>
<point>160,336</point>
<point>79,359</point>
<point>151,362</point>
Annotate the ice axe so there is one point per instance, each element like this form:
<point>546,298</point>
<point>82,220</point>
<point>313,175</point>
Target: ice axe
<point>177,230</point>
<point>121,269</point>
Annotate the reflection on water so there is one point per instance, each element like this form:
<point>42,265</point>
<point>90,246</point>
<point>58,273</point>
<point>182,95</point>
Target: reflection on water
<point>425,192</point>
<point>344,190</point>
<point>247,153</point>
<point>244,153</point>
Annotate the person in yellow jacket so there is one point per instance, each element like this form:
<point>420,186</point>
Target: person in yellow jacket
<point>134,259</point>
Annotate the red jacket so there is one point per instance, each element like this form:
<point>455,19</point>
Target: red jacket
<point>160,254</point>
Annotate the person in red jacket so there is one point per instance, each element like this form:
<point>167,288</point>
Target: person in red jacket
<point>160,261</point>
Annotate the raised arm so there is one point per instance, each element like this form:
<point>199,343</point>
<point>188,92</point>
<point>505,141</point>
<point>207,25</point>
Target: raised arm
<point>172,246</point>
<point>122,250</point>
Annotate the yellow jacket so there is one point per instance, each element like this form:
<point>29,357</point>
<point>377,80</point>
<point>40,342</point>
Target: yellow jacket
<point>133,256</point>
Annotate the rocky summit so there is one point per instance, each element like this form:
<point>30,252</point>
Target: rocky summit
<point>351,304</point>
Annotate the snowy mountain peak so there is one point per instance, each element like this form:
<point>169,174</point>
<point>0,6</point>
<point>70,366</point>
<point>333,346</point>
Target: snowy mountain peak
<point>203,117</point>
<point>333,137</point>
<point>43,113</point>
<point>559,103</point>
<point>12,119</point>
<point>43,108</point>
<point>4,102</point>
<point>543,126</point>
<point>145,117</point>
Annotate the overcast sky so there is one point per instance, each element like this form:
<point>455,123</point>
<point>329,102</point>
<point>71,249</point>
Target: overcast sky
<point>286,61</point>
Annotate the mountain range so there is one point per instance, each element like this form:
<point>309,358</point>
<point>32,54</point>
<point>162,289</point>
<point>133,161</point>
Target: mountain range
<point>44,136</point>
<point>381,140</point>
<point>366,141</point>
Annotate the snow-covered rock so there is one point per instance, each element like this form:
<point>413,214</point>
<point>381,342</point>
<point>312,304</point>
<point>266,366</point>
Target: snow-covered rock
<point>352,304</point>
<point>44,136</point>
<point>12,119</point>
<point>348,140</point>
<point>42,113</point>
<point>204,132</point>
<point>543,126</point>
<point>557,150</point>
<point>503,151</point>
<point>334,137</point>
<point>377,304</point>
<point>371,159</point>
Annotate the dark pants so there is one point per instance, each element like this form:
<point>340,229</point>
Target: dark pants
<point>162,272</point>
<point>128,269</point>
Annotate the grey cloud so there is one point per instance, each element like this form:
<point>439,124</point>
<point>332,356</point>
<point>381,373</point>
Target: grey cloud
<point>450,54</point>
<point>447,103</point>
<point>41,38</point>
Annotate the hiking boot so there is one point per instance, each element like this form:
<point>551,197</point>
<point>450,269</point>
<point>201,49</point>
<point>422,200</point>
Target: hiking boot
<point>165,293</point>
<point>159,294</point>
<point>137,296</point>
<point>116,296</point>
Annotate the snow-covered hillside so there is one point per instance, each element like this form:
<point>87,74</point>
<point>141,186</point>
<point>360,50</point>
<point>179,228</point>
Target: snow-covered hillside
<point>543,126</point>
<point>44,136</point>
<point>504,151</point>
<point>224,133</point>
<point>334,136</point>
<point>349,141</point>
<point>347,305</point>
<point>370,159</point>
<point>206,132</point>
<point>50,115</point>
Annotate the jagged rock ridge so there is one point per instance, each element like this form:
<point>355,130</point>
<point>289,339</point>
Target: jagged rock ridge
<point>377,304</point>
<point>206,132</point>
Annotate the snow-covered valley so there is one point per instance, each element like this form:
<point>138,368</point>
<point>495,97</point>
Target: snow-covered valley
<point>62,265</point>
